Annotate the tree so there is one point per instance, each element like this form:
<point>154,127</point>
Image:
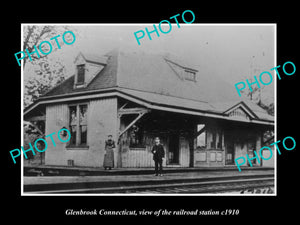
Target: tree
<point>34,35</point>
<point>47,75</point>
<point>45,72</point>
<point>40,75</point>
<point>32,132</point>
<point>256,94</point>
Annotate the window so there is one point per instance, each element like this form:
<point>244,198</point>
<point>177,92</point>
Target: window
<point>83,123</point>
<point>136,137</point>
<point>78,125</point>
<point>216,142</point>
<point>80,74</point>
<point>219,145</point>
<point>214,138</point>
<point>201,138</point>
<point>73,124</point>
<point>189,75</point>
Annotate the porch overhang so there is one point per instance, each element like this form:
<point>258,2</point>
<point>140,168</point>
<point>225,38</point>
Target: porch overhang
<point>149,100</point>
<point>152,101</point>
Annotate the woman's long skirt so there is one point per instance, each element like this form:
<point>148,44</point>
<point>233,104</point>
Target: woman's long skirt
<point>109,158</point>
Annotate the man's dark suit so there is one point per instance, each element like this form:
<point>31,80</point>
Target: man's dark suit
<point>158,155</point>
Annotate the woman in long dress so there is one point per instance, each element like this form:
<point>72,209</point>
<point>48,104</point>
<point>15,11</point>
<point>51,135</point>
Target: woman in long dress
<point>109,153</point>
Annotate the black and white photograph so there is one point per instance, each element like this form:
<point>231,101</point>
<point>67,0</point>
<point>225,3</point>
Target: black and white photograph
<point>149,113</point>
<point>149,110</point>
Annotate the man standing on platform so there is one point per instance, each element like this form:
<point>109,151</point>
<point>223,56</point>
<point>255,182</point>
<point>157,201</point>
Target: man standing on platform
<point>158,155</point>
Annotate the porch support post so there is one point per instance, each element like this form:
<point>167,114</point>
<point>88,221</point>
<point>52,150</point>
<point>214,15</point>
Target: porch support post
<point>192,139</point>
<point>119,156</point>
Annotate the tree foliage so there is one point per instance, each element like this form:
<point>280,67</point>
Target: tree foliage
<point>34,35</point>
<point>46,71</point>
<point>46,76</point>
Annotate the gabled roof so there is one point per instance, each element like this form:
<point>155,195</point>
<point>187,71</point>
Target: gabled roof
<point>151,73</point>
<point>148,76</point>
<point>89,57</point>
<point>251,108</point>
<point>107,78</point>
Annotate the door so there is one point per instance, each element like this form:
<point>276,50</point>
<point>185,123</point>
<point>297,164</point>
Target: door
<point>251,148</point>
<point>229,154</point>
<point>173,153</point>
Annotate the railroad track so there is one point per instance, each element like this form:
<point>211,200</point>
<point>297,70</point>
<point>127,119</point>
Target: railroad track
<point>185,187</point>
<point>213,187</point>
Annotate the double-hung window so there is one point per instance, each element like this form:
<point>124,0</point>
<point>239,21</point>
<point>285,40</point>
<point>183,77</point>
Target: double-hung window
<point>78,125</point>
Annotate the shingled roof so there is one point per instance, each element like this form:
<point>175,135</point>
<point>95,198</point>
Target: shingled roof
<point>151,73</point>
<point>150,77</point>
<point>107,78</point>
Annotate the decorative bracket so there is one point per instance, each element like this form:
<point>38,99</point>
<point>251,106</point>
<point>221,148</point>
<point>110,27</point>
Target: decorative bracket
<point>129,111</point>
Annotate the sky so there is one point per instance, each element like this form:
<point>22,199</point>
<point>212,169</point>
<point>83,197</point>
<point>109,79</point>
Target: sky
<point>232,52</point>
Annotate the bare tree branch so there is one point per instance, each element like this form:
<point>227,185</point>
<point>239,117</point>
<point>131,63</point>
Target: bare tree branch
<point>37,37</point>
<point>30,32</point>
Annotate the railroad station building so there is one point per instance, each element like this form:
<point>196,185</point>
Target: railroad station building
<point>135,96</point>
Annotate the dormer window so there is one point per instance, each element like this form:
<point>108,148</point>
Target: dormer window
<point>183,72</point>
<point>80,74</point>
<point>189,75</point>
<point>87,68</point>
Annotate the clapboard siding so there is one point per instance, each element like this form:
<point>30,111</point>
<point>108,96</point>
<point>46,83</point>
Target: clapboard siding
<point>56,118</point>
<point>101,121</point>
<point>136,157</point>
<point>142,157</point>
